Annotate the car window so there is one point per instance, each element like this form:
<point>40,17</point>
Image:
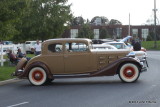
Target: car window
<point>28,42</point>
<point>76,47</point>
<point>57,47</point>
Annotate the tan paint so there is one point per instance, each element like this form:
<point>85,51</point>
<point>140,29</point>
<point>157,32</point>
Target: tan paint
<point>75,62</point>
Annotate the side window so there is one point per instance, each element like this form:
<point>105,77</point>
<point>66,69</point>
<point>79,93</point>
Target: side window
<point>76,47</point>
<point>57,47</point>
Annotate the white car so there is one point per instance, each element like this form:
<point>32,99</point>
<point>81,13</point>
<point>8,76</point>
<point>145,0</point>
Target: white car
<point>103,47</point>
<point>141,55</point>
<point>29,46</point>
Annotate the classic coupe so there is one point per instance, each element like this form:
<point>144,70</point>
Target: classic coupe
<point>63,58</point>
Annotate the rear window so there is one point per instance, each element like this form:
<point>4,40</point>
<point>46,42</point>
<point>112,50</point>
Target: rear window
<point>57,47</point>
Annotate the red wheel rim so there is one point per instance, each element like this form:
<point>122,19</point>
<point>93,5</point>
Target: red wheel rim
<point>37,76</point>
<point>129,72</point>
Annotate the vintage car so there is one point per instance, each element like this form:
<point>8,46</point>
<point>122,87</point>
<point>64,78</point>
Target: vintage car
<point>61,58</point>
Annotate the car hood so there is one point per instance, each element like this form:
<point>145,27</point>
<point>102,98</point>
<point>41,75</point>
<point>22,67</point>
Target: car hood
<point>110,51</point>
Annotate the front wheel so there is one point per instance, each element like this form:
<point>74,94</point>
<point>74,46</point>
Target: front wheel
<point>37,76</point>
<point>129,72</point>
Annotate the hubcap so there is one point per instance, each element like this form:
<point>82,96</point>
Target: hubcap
<point>129,72</point>
<point>37,76</point>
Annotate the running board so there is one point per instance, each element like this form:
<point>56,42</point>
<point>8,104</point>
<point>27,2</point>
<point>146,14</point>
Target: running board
<point>71,75</point>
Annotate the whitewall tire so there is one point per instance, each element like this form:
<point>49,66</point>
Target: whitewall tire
<point>37,76</point>
<point>129,72</point>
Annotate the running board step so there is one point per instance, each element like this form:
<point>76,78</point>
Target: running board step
<point>71,75</point>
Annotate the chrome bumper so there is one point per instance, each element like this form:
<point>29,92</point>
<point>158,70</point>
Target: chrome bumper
<point>17,73</point>
<point>144,65</point>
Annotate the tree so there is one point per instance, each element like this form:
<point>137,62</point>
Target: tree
<point>9,16</point>
<point>22,20</point>
<point>85,32</point>
<point>45,19</point>
<point>114,22</point>
<point>77,21</point>
<point>104,34</point>
<point>104,20</point>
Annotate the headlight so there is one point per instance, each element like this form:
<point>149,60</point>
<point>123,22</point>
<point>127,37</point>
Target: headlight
<point>131,54</point>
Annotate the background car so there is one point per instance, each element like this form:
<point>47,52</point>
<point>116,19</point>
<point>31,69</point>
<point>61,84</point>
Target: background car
<point>29,46</point>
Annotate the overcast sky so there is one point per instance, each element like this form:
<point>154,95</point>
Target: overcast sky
<point>140,10</point>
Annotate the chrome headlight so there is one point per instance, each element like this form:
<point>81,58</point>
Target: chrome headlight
<point>131,54</point>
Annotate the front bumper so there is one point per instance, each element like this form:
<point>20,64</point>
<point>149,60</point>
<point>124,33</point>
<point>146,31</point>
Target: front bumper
<point>144,64</point>
<point>144,69</point>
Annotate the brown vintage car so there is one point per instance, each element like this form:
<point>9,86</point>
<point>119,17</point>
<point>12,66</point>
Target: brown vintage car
<point>61,58</point>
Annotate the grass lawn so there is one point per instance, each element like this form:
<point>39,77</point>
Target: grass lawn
<point>7,70</point>
<point>149,45</point>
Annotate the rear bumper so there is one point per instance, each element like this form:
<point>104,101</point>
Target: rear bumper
<point>18,73</point>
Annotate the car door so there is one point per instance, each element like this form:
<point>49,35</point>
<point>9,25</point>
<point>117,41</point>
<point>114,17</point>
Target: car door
<point>55,58</point>
<point>76,58</point>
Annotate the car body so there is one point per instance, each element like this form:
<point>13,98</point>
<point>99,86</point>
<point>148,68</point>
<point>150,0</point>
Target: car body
<point>103,47</point>
<point>62,58</point>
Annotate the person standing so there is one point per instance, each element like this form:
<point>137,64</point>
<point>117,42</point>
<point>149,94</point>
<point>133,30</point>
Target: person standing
<point>37,48</point>
<point>136,44</point>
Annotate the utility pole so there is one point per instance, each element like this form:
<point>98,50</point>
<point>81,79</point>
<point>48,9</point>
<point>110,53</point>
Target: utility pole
<point>155,38</point>
<point>129,28</point>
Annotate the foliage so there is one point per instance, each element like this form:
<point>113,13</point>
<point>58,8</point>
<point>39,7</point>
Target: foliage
<point>104,33</point>
<point>104,20</point>
<point>9,16</point>
<point>85,32</point>
<point>77,21</point>
<point>149,38</point>
<point>114,22</point>
<point>33,19</point>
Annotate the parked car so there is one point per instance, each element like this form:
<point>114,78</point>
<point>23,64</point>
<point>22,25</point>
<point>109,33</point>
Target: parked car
<point>103,47</point>
<point>118,45</point>
<point>29,46</point>
<point>60,58</point>
<point>142,55</point>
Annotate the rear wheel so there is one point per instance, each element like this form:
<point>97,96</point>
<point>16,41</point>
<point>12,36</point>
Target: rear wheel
<point>37,76</point>
<point>129,72</point>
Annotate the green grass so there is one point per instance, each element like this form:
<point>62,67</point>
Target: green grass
<point>5,72</point>
<point>7,69</point>
<point>30,55</point>
<point>149,45</point>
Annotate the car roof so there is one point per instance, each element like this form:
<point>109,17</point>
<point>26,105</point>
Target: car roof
<point>115,42</point>
<point>68,40</point>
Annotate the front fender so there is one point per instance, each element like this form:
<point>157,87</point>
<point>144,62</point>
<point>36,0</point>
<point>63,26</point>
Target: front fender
<point>114,67</point>
<point>20,67</point>
<point>37,64</point>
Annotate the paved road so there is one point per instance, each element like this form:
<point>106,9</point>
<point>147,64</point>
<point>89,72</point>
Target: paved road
<point>88,92</point>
